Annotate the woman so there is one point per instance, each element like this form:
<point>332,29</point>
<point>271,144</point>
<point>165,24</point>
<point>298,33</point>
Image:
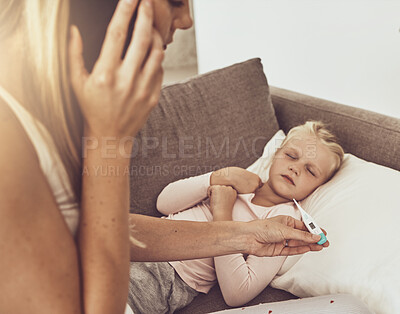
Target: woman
<point>58,257</point>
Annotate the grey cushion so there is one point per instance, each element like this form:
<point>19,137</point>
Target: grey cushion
<point>368,135</point>
<point>219,119</point>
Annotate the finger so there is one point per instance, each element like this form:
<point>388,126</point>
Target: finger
<point>293,234</point>
<point>77,71</point>
<point>150,73</point>
<point>209,191</point>
<point>326,244</point>
<point>141,39</point>
<point>298,224</point>
<point>295,243</point>
<point>150,102</point>
<point>315,247</point>
<point>295,250</point>
<point>111,51</point>
<point>324,231</point>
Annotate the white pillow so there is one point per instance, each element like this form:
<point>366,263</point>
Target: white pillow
<point>261,165</point>
<point>360,209</point>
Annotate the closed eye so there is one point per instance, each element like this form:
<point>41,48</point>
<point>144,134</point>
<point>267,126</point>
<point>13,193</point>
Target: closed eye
<point>292,157</point>
<point>311,172</point>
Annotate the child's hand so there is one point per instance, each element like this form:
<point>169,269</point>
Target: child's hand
<point>240,179</point>
<point>222,199</point>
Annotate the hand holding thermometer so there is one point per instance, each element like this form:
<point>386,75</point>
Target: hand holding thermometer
<point>310,224</point>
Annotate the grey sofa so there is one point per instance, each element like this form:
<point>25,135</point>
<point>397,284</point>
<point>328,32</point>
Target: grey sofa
<point>224,118</point>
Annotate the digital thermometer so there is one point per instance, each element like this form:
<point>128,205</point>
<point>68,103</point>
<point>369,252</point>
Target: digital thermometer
<point>310,224</point>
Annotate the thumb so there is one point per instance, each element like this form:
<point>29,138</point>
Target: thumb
<point>78,72</point>
<point>294,234</point>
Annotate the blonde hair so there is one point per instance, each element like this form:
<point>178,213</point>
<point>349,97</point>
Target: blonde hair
<point>46,23</point>
<point>45,28</point>
<point>326,137</point>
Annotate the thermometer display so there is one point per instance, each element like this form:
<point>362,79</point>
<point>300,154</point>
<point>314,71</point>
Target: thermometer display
<point>311,224</point>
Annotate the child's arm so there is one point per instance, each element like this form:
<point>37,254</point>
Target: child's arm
<point>183,194</point>
<point>240,279</point>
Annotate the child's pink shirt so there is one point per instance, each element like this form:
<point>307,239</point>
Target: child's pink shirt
<point>240,279</point>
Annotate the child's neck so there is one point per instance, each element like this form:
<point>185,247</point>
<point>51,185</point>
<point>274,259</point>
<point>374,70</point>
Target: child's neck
<point>266,197</point>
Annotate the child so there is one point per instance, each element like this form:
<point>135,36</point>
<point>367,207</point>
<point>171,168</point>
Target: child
<point>308,157</point>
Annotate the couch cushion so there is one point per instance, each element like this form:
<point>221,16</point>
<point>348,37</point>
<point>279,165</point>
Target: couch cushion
<point>222,118</point>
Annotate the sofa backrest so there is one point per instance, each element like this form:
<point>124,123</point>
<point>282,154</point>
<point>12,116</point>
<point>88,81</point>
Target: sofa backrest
<point>365,134</point>
<point>219,119</point>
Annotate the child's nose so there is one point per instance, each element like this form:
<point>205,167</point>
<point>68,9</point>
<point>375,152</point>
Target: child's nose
<point>294,169</point>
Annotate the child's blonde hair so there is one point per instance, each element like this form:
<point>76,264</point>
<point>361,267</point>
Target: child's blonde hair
<point>320,131</point>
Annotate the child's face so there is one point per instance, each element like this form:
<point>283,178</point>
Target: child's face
<point>299,167</point>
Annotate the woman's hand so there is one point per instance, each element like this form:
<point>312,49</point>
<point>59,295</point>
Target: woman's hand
<point>282,236</point>
<point>222,199</point>
<point>241,180</point>
<point>117,97</point>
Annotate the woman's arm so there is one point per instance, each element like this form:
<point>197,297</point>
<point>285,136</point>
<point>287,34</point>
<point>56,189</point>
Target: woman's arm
<point>183,194</point>
<point>169,240</point>
<point>104,234</point>
<point>39,267</point>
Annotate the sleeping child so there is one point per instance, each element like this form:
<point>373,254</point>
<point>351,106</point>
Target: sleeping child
<point>308,157</point>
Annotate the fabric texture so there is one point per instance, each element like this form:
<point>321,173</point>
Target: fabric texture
<point>240,279</point>
<point>157,288</point>
<point>50,161</point>
<point>359,208</point>
<point>219,119</point>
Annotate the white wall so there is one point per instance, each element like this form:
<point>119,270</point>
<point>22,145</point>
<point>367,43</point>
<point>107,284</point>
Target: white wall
<point>347,51</point>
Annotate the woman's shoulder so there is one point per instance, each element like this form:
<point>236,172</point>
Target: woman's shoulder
<point>16,148</point>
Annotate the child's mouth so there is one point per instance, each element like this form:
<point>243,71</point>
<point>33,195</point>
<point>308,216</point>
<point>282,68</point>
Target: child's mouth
<point>289,179</point>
